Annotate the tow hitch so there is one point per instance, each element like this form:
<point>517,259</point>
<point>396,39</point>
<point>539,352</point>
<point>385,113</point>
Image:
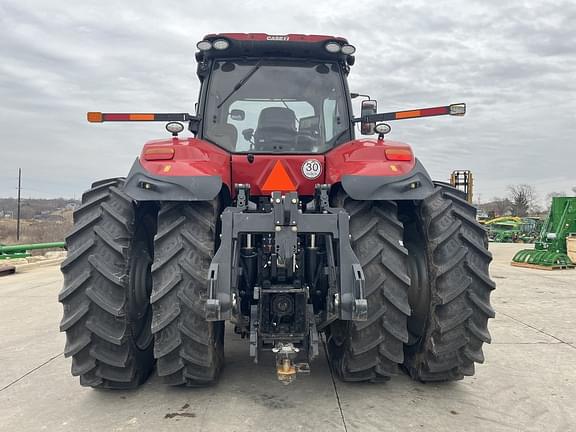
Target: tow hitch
<point>271,278</point>
<point>286,368</point>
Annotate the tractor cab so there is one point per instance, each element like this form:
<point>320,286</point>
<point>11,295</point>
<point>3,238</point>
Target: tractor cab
<point>272,94</point>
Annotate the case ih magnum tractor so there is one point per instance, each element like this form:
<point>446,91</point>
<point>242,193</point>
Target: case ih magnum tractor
<point>276,219</point>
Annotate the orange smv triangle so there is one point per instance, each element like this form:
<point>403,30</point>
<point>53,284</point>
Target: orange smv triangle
<point>278,180</point>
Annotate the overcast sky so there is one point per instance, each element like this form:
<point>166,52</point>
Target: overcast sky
<point>512,62</point>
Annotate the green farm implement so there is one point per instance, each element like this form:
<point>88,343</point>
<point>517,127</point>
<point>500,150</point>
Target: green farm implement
<point>23,250</point>
<point>511,229</point>
<point>550,251</point>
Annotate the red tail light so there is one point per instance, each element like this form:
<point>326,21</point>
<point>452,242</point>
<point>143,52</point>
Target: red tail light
<point>158,153</point>
<point>398,154</point>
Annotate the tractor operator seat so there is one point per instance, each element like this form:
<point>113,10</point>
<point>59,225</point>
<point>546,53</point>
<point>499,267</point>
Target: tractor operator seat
<point>276,129</point>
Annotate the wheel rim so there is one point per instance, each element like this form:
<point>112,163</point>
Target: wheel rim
<point>418,293</point>
<point>140,290</point>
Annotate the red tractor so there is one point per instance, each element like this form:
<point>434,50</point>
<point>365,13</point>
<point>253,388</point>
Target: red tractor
<point>275,218</point>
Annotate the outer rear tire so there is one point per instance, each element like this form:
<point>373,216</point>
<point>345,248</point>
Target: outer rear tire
<point>372,350</point>
<point>450,294</point>
<point>106,290</point>
<point>189,349</point>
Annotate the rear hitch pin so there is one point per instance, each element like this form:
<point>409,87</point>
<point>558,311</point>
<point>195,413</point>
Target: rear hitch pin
<point>285,368</point>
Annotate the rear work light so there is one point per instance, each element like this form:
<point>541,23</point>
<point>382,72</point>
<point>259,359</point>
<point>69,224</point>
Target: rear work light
<point>174,128</point>
<point>382,128</point>
<point>220,44</point>
<point>335,47</point>
<point>204,45</point>
<point>398,154</point>
<point>348,49</point>
<point>158,153</point>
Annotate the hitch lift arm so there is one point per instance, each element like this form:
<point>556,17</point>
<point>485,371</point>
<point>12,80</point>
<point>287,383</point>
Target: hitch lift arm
<point>285,221</point>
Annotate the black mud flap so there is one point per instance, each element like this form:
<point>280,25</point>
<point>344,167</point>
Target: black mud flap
<point>143,186</point>
<point>416,185</point>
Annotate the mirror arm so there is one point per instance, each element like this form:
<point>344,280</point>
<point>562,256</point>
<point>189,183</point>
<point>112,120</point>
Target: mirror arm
<point>355,95</point>
<point>375,118</point>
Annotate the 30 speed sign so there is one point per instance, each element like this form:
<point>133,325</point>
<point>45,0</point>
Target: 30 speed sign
<point>311,169</point>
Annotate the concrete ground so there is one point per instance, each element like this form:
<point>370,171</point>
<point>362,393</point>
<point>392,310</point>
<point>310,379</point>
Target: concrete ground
<point>527,384</point>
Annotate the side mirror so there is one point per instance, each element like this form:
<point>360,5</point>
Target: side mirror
<point>237,114</point>
<point>369,107</point>
<point>309,124</point>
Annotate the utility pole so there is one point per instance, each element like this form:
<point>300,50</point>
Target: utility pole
<point>18,207</point>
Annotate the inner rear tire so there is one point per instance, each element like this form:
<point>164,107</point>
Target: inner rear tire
<point>189,349</point>
<point>372,350</point>
<point>450,291</point>
<point>107,284</point>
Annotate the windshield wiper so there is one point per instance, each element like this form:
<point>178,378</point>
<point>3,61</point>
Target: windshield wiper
<point>286,105</point>
<point>240,83</point>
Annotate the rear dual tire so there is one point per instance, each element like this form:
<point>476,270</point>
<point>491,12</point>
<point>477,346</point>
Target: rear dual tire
<point>106,291</point>
<point>189,350</point>
<point>450,290</point>
<point>372,350</point>
<point>118,313</point>
<point>428,290</point>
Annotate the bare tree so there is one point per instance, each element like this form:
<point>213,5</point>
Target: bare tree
<point>523,198</point>
<point>574,190</point>
<point>500,206</point>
